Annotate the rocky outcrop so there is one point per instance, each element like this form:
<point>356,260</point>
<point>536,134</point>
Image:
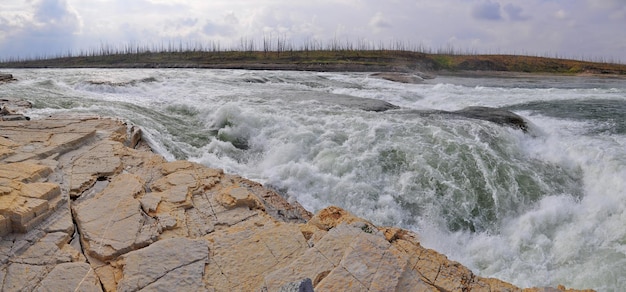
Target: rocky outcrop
<point>4,78</point>
<point>11,110</point>
<point>85,206</point>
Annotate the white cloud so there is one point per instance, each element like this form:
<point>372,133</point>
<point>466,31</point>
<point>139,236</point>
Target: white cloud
<point>515,12</point>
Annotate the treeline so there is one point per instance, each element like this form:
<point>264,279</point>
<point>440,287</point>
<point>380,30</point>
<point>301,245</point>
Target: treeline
<point>279,53</point>
<point>277,45</point>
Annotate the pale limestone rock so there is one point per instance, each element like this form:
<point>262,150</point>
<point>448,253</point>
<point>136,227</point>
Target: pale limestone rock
<point>345,255</point>
<point>166,221</point>
<point>44,191</point>
<point>5,226</point>
<point>99,160</point>
<point>24,171</point>
<point>144,164</point>
<point>22,277</point>
<point>62,222</point>
<point>150,202</point>
<point>25,212</point>
<point>332,216</point>
<point>111,223</point>
<point>166,265</point>
<point>70,277</point>
<point>26,203</point>
<point>269,245</point>
<point>57,238</point>
<point>6,147</point>
<point>174,166</point>
<point>43,253</point>
<point>238,197</point>
<point>305,285</point>
<point>354,256</point>
<point>54,143</point>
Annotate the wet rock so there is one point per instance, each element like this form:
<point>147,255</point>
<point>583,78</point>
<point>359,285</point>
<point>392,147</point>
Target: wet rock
<point>495,115</point>
<point>349,101</point>
<point>5,78</point>
<point>401,77</point>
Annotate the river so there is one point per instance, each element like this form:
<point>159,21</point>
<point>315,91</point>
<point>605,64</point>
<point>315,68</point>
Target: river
<point>536,208</point>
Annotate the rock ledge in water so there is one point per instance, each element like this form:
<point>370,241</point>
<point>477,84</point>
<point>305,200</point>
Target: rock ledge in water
<point>5,78</point>
<point>146,223</point>
<point>495,115</point>
<point>11,110</point>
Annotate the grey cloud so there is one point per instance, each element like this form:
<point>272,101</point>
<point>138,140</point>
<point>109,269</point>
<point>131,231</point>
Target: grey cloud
<point>57,18</point>
<point>52,11</point>
<point>487,10</point>
<point>515,12</point>
<point>182,22</point>
<point>52,29</point>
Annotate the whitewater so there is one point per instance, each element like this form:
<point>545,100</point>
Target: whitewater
<point>536,208</point>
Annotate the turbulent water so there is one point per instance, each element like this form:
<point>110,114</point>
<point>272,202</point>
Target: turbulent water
<point>540,208</point>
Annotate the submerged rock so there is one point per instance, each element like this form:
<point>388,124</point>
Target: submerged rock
<point>411,78</point>
<point>145,223</point>
<point>349,101</point>
<point>495,115</point>
<point>121,83</point>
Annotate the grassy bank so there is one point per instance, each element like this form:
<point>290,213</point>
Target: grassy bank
<point>325,60</point>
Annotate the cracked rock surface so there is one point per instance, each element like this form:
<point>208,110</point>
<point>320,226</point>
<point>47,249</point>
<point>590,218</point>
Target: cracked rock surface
<point>86,206</point>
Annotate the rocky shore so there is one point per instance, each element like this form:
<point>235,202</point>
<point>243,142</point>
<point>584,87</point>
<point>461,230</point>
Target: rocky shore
<point>85,205</point>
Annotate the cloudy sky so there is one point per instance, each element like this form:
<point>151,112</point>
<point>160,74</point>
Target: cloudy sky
<point>590,29</point>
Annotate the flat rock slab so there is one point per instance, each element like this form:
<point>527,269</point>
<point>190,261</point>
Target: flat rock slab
<point>167,265</point>
<point>111,223</point>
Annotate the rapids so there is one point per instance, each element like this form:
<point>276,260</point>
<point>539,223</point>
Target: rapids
<point>540,208</point>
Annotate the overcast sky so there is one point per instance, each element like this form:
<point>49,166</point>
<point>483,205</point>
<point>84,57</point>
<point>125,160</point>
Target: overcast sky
<point>570,28</point>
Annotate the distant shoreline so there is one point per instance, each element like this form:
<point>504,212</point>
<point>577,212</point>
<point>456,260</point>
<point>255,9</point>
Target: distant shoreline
<point>512,74</point>
<point>338,61</point>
